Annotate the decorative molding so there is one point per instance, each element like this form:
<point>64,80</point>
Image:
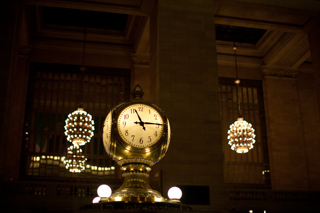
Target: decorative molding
<point>24,50</point>
<point>145,194</point>
<point>279,72</point>
<point>140,59</point>
<point>135,160</point>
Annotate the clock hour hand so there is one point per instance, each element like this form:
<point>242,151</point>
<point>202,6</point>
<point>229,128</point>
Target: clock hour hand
<point>141,122</point>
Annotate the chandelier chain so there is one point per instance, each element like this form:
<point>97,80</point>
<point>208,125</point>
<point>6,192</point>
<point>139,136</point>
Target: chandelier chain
<point>237,81</point>
<point>82,68</point>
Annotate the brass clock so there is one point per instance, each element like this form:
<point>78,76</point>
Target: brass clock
<point>136,131</point>
<point>136,134</point>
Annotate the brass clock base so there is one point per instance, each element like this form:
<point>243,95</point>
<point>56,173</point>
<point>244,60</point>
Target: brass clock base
<point>135,187</point>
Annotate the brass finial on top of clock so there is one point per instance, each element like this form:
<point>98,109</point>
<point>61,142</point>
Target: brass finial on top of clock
<point>136,135</point>
<point>137,91</point>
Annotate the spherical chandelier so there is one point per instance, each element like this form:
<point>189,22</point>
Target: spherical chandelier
<point>79,127</point>
<point>241,136</point>
<point>241,133</point>
<point>74,160</point>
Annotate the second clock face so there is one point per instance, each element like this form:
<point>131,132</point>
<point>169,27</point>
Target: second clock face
<point>140,125</point>
<point>106,136</point>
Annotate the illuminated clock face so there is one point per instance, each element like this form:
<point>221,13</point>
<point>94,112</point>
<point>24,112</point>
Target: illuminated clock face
<point>140,125</point>
<point>107,130</point>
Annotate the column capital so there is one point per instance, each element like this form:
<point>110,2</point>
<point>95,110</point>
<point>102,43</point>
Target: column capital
<point>140,59</point>
<point>24,50</point>
<point>312,24</point>
<point>279,72</point>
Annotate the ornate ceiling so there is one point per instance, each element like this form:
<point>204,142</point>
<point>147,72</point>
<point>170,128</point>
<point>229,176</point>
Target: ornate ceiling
<point>284,45</point>
<point>265,35</point>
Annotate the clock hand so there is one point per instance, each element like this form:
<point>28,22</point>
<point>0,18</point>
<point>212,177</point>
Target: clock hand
<point>141,122</point>
<point>153,123</point>
<point>138,116</point>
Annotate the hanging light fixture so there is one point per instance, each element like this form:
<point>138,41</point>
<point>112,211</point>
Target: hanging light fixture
<point>240,134</point>
<point>79,125</point>
<point>79,128</point>
<point>74,160</point>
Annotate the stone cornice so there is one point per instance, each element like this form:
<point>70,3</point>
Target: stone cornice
<point>279,72</point>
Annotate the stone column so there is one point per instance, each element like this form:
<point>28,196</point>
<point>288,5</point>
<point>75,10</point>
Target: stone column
<point>313,31</point>
<point>16,114</point>
<point>314,35</point>
<point>141,71</point>
<point>187,81</point>
<point>288,166</point>
<point>10,22</point>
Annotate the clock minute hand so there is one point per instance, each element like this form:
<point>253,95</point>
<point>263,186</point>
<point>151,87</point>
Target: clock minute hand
<point>153,123</point>
<point>138,116</point>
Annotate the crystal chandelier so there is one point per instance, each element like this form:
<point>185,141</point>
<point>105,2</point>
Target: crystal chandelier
<point>79,127</point>
<point>240,134</point>
<point>74,160</point>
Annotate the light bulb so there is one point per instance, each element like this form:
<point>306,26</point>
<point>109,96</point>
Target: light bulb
<point>104,190</point>
<point>174,193</point>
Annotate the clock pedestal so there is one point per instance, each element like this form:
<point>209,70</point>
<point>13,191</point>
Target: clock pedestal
<point>135,187</point>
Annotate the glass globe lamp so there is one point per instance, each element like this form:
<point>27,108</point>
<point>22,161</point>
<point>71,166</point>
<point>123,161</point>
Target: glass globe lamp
<point>104,192</point>
<point>96,200</point>
<point>174,193</point>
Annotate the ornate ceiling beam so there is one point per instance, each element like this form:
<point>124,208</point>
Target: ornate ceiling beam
<point>141,8</point>
<point>258,24</point>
